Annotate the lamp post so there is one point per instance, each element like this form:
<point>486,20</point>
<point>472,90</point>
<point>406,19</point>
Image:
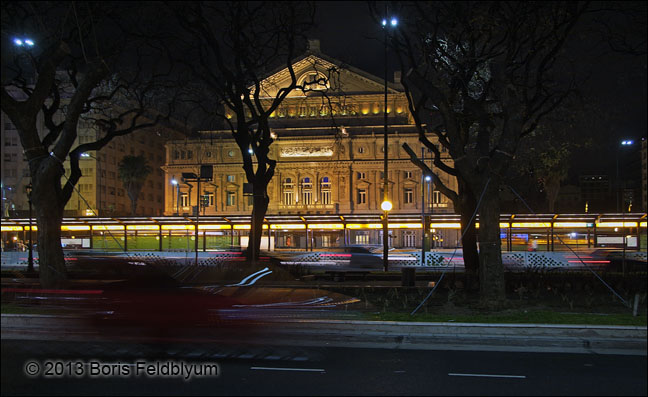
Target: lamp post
<point>205,176</point>
<point>620,186</point>
<point>424,178</point>
<point>88,155</point>
<point>30,257</point>
<point>175,183</point>
<point>386,206</point>
<point>621,192</point>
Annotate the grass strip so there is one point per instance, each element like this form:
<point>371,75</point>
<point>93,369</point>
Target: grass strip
<point>517,317</point>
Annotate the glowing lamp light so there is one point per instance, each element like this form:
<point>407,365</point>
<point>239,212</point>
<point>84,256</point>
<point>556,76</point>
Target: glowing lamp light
<point>25,42</point>
<point>428,178</point>
<point>174,182</point>
<point>384,22</point>
<point>627,142</point>
<point>386,205</point>
<point>394,22</point>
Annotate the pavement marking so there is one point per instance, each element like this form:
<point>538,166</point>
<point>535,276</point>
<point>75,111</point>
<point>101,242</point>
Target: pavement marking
<point>288,369</point>
<point>489,376</point>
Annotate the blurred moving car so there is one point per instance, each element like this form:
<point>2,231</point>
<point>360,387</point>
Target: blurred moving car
<point>613,259</point>
<point>162,295</point>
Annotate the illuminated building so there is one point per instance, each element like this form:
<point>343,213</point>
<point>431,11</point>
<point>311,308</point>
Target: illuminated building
<point>329,152</point>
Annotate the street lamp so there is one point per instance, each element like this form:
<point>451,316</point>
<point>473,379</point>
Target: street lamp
<point>25,42</point>
<point>621,192</point>
<point>206,174</point>
<point>386,205</point>
<point>177,200</point>
<point>87,155</point>
<point>621,187</point>
<point>30,257</point>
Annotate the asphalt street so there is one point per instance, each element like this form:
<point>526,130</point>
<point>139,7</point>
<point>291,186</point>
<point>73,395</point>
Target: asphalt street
<point>319,370</point>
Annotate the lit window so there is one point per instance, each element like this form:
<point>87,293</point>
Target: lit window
<point>409,196</point>
<point>231,178</point>
<point>288,194</point>
<point>231,198</point>
<point>362,196</point>
<point>325,189</point>
<point>307,191</point>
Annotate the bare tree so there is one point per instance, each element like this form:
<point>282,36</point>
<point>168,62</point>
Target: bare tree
<point>83,65</point>
<point>228,49</point>
<point>480,76</point>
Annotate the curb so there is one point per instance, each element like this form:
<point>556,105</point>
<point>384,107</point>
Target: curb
<point>603,339</point>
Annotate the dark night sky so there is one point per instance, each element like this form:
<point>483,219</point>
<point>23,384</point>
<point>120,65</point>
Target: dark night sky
<point>617,82</point>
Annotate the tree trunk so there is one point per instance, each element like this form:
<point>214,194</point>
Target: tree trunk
<point>491,270</point>
<point>46,199</point>
<point>261,201</point>
<point>469,232</point>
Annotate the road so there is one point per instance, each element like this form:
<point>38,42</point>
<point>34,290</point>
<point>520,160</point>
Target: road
<point>325,370</point>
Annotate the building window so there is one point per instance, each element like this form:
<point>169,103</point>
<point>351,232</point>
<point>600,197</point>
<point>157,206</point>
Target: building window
<point>325,190</point>
<point>307,191</point>
<point>184,200</point>
<point>208,154</point>
<point>436,197</point>
<point>189,154</point>
<point>288,194</point>
<point>362,196</point>
<point>230,153</point>
<point>231,199</point>
<point>361,149</point>
<point>207,200</point>
<point>361,175</point>
<point>409,196</point>
<point>231,178</point>
<point>409,239</point>
<point>408,174</point>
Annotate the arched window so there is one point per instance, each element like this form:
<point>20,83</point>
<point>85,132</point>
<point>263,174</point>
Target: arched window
<point>307,191</point>
<point>325,190</point>
<point>288,192</point>
<point>313,81</point>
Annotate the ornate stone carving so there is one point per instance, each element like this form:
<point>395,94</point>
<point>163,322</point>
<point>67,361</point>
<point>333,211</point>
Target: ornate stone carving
<point>306,151</point>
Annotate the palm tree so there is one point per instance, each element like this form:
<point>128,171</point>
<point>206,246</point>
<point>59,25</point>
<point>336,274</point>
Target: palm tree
<point>133,171</point>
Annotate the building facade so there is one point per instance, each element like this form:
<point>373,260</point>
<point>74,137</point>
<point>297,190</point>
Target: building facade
<point>99,191</point>
<point>329,151</point>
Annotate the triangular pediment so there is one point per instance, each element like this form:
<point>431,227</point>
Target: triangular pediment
<point>313,69</point>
